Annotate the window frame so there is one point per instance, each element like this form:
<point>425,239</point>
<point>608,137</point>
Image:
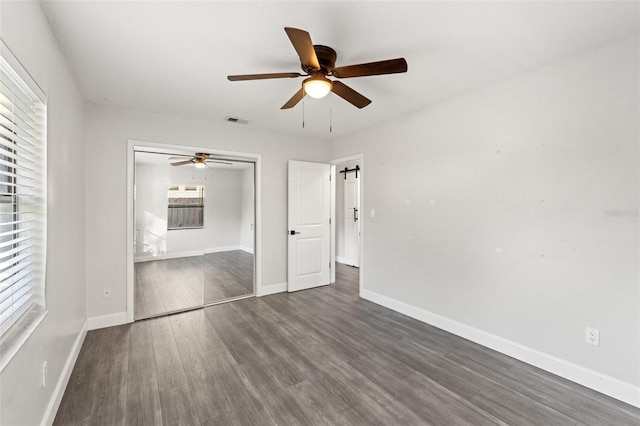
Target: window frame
<point>180,202</point>
<point>23,110</point>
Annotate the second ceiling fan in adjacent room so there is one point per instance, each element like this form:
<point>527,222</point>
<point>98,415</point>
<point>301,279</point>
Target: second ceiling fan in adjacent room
<point>199,160</point>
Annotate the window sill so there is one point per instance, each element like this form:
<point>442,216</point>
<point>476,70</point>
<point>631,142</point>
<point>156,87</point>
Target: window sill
<point>13,340</point>
<point>185,227</point>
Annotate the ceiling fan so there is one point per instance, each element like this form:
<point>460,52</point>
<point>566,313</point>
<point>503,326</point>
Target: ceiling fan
<point>199,160</point>
<point>318,63</point>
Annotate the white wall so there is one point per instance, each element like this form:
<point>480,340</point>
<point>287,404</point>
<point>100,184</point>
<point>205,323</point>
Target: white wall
<point>247,218</point>
<point>493,210</point>
<point>108,130</point>
<point>25,29</point>
<point>223,211</point>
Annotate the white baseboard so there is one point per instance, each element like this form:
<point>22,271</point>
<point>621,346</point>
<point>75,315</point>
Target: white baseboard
<point>602,383</point>
<point>273,289</point>
<point>344,261</point>
<point>58,392</point>
<point>221,249</point>
<point>166,256</point>
<point>104,321</point>
<point>247,249</point>
<point>180,254</point>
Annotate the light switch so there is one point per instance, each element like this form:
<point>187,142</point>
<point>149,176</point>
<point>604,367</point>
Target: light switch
<point>372,212</point>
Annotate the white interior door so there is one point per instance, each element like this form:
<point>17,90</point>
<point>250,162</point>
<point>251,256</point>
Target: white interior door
<point>351,220</point>
<point>309,233</point>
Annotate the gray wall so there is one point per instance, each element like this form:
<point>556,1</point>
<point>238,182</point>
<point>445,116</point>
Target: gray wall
<point>108,130</point>
<point>25,29</point>
<point>223,211</point>
<point>493,209</point>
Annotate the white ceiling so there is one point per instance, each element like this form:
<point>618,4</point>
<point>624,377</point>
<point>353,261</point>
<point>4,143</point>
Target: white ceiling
<point>173,57</point>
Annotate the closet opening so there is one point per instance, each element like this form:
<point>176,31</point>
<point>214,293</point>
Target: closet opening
<point>194,230</point>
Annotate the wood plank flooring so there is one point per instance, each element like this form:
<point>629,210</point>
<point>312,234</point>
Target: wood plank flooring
<point>316,357</point>
<point>169,285</point>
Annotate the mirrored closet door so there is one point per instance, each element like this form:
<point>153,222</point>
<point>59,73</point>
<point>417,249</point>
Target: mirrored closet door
<point>229,235</point>
<point>194,232</point>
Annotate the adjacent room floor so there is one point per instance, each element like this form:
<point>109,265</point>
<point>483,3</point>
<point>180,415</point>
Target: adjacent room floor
<point>321,356</point>
<point>169,285</point>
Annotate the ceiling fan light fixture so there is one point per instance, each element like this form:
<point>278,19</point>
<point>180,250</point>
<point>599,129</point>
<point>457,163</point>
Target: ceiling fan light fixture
<point>317,86</point>
<point>199,165</point>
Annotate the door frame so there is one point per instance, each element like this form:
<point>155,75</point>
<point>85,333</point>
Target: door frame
<point>138,145</point>
<point>334,180</point>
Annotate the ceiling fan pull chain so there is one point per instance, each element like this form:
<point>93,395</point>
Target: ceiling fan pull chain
<point>303,115</point>
<point>330,120</point>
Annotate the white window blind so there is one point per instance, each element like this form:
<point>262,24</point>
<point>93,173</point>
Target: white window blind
<point>22,198</point>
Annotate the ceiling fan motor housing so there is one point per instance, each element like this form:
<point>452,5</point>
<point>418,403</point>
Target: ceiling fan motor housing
<point>326,58</point>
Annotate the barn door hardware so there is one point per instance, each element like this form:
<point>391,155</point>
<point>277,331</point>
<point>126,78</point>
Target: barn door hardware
<point>355,169</point>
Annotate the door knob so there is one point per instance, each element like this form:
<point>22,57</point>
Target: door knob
<point>293,232</point>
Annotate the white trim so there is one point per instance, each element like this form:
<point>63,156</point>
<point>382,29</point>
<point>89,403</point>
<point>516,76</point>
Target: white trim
<point>349,159</point>
<point>344,261</point>
<point>332,228</point>
<point>602,383</point>
<point>132,146</point>
<point>257,243</point>
<point>109,320</point>
<point>58,392</point>
<point>246,249</point>
<point>130,248</point>
<point>166,256</point>
<point>22,72</point>
<point>19,333</point>
<point>273,289</point>
<point>222,248</point>
<point>179,254</point>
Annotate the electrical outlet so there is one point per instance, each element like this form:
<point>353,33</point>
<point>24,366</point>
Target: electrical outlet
<point>592,336</point>
<point>106,293</point>
<point>44,374</point>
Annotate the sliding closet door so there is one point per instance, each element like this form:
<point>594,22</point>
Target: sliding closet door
<point>170,233</point>
<point>229,231</point>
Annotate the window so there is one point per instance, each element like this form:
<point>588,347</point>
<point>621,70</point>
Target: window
<point>186,207</point>
<point>22,198</point>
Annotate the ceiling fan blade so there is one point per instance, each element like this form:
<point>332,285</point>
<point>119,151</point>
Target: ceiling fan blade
<point>301,41</point>
<point>350,95</point>
<point>294,99</point>
<point>391,66</point>
<point>182,163</point>
<point>180,157</point>
<point>264,76</point>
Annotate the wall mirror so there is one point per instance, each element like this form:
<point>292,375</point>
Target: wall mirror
<point>194,232</point>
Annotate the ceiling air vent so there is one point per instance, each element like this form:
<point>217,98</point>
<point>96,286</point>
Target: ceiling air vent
<point>235,120</point>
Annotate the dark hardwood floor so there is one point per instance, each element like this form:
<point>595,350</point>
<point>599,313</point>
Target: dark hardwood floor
<point>169,285</point>
<point>321,356</point>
